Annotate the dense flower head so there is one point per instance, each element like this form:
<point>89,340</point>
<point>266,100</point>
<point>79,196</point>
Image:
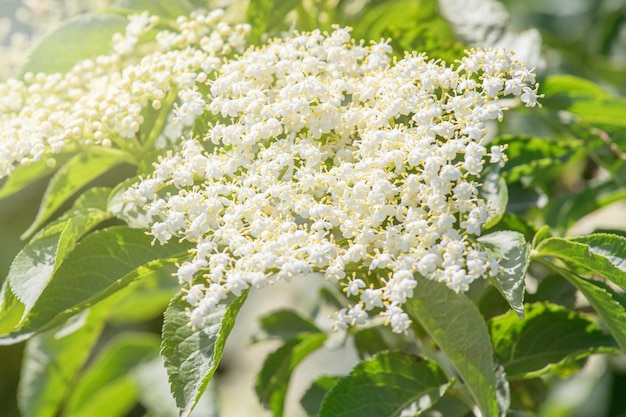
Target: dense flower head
<point>101,101</point>
<point>326,156</point>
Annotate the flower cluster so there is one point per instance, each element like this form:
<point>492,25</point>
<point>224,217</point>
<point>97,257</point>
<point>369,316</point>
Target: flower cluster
<point>101,101</point>
<point>327,156</point>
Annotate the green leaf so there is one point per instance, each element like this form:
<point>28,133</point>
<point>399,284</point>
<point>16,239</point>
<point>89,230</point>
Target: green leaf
<point>116,205</point>
<point>562,212</point>
<point>164,8</point>
<point>554,290</point>
<point>25,175</point>
<point>86,36</point>
<point>542,234</point>
<point>532,156</point>
<point>153,293</point>
<point>285,324</point>
<point>268,16</point>
<point>608,303</point>
<point>273,380</point>
<point>311,401</point>
<point>192,356</point>
<point>36,263</point>
<point>412,25</point>
<point>514,255</point>
<point>549,338</point>
<point>51,361</point>
<point>106,388</point>
<point>494,190</point>
<point>71,177</point>
<point>457,327</point>
<point>371,340</point>
<point>384,386</point>
<point>601,254</point>
<point>586,100</point>
<point>101,264</point>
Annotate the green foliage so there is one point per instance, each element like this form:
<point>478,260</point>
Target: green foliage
<point>456,326</point>
<point>192,356</point>
<point>84,37</point>
<point>515,254</point>
<point>385,385</point>
<point>51,361</point>
<point>549,339</point>
<point>104,262</point>
<point>273,380</point>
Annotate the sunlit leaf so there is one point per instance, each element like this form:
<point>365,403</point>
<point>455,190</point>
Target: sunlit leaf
<point>494,191</point>
<point>548,338</point>
<point>456,325</point>
<point>192,356</point>
<point>101,264</point>
<point>25,175</point>
<point>71,177</point>
<point>532,156</point>
<point>36,263</point>
<point>601,254</point>
<point>514,255</point>
<point>384,386</point>
<point>86,36</point>
<point>608,303</point>
<point>585,99</point>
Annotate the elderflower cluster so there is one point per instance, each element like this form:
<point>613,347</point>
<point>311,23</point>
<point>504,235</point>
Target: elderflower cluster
<point>103,101</point>
<point>326,156</point>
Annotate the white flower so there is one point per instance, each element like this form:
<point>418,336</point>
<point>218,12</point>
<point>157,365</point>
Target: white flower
<point>332,159</point>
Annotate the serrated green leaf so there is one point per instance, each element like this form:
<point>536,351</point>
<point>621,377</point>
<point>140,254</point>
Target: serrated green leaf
<point>384,386</point>
<point>311,401</point>
<point>36,263</point>
<point>609,304</point>
<point>285,324</point>
<point>51,361</point>
<point>192,356</point>
<point>164,8</point>
<point>86,36</point>
<point>548,338</point>
<point>106,387</point>
<point>25,175</point>
<point>562,212</point>
<point>585,99</point>
<point>514,255</point>
<point>601,254</point>
<point>101,264</point>
<point>273,380</point>
<point>71,177</point>
<point>456,325</point>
